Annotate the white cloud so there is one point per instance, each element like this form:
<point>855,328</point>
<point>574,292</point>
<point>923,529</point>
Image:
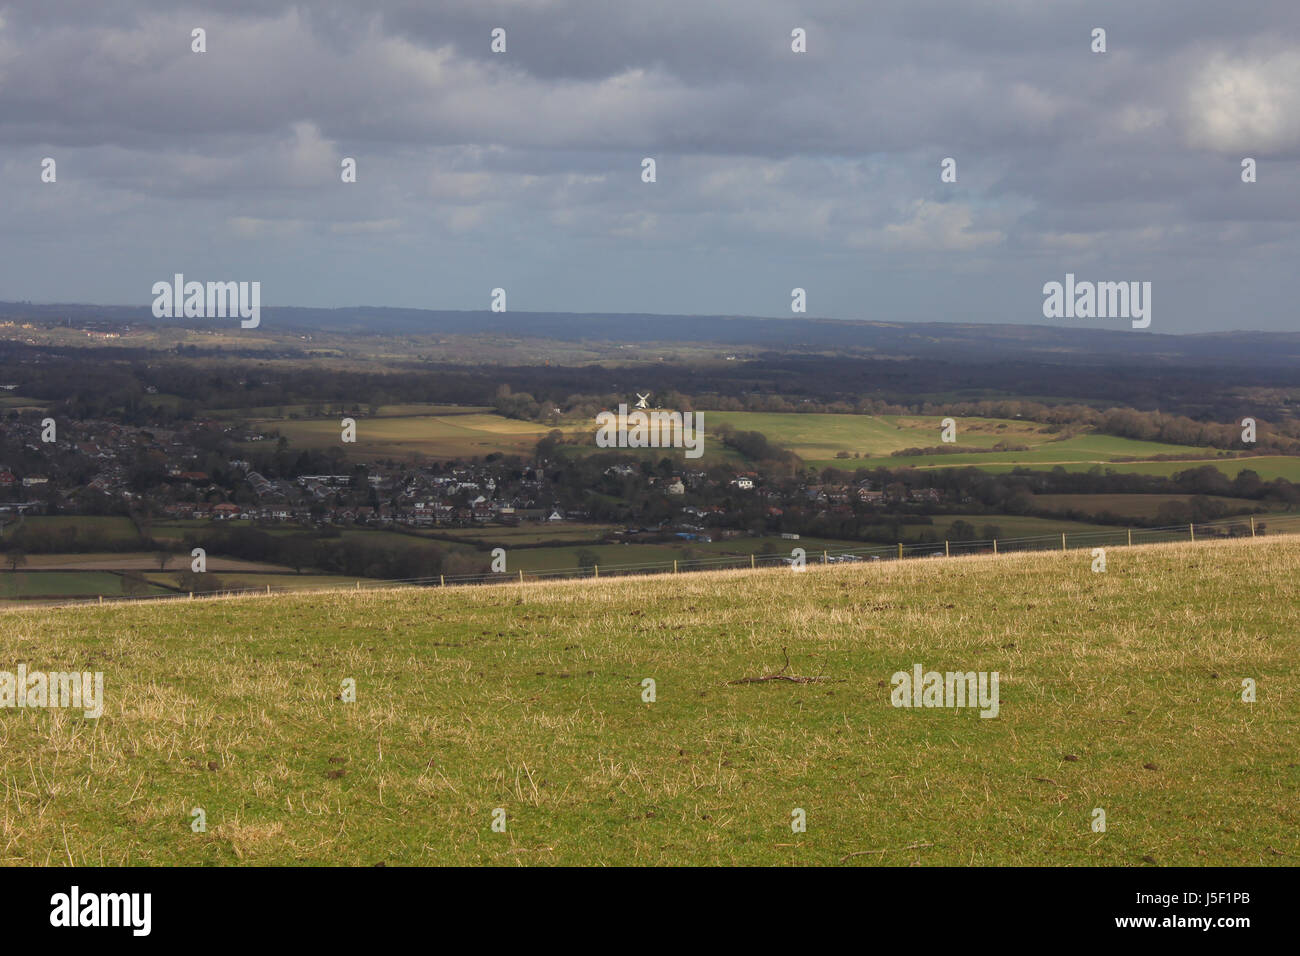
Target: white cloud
<point>940,226</point>
<point>1245,105</point>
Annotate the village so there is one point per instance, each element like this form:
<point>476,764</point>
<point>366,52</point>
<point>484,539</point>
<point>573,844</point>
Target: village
<point>218,471</point>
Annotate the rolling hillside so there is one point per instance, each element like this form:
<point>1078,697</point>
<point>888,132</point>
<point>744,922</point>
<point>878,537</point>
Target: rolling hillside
<point>1120,691</point>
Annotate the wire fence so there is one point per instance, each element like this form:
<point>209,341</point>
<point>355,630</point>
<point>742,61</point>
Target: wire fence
<point>1241,527</point>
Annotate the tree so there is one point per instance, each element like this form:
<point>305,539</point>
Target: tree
<point>134,584</point>
<point>163,558</point>
<point>298,552</point>
<point>961,530</point>
<point>198,582</point>
<point>16,559</point>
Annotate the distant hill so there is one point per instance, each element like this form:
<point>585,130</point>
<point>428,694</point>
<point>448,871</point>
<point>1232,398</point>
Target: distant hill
<point>922,340</point>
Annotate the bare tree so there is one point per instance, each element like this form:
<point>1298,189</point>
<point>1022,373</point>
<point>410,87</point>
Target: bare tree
<point>134,583</point>
<point>16,559</point>
<point>163,558</point>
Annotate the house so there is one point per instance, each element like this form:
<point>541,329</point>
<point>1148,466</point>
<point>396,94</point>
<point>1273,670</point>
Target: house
<point>744,484</point>
<point>555,516</point>
<point>675,487</point>
<point>34,480</point>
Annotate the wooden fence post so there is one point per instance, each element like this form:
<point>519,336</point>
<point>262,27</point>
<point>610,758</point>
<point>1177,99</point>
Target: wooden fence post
<point>1130,537</point>
<point>946,554</point>
<point>1191,531</point>
<point>900,550</point>
<point>995,545</point>
<point>751,560</point>
<point>1252,526</point>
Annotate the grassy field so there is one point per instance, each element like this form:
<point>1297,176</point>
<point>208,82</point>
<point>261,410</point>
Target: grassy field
<point>1129,506</point>
<point>271,413</point>
<point>1119,690</point>
<point>1267,467</point>
<point>17,403</point>
<point>636,553</point>
<point>1009,526</point>
<point>24,584</point>
<point>252,579</point>
<point>111,527</point>
<point>532,534</point>
<point>457,435</point>
<point>818,437</point>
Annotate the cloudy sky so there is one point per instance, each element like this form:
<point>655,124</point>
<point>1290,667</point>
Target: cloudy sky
<point>775,169</point>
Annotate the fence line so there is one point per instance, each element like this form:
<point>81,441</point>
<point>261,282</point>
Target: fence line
<point>1221,529</point>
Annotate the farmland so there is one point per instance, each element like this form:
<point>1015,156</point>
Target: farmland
<point>817,438</point>
<point>62,584</point>
<point>1129,506</point>
<point>528,698</point>
<point>535,549</point>
<point>432,436</point>
<point>1267,467</point>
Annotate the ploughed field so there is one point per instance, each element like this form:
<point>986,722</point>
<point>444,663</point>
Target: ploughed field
<point>1118,690</point>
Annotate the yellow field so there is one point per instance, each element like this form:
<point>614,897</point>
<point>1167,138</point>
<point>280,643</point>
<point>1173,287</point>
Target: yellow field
<point>433,436</point>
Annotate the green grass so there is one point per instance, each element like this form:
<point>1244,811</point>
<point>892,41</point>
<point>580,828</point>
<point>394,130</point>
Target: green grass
<point>23,584</point>
<point>530,534</point>
<point>662,553</point>
<point>1119,690</point>
<point>1267,467</point>
<point>112,528</point>
<point>818,437</point>
<point>1012,526</point>
<point>1130,506</point>
<point>266,413</point>
<point>252,579</point>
